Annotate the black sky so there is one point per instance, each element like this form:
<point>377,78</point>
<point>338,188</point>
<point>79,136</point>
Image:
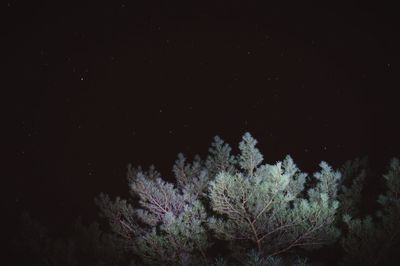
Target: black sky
<point>92,87</point>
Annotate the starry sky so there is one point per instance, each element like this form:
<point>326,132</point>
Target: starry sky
<point>93,87</point>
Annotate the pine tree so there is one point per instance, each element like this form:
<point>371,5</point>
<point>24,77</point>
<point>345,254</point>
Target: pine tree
<point>231,198</point>
<point>263,213</point>
<point>263,207</point>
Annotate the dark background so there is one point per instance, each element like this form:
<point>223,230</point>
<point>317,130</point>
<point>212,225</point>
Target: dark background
<point>93,87</point>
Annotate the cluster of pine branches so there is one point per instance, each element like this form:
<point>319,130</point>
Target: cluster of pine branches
<point>233,209</point>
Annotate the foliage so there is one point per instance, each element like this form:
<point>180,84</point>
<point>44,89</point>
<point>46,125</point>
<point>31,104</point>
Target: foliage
<point>353,173</point>
<point>263,206</point>
<point>251,206</point>
<point>191,177</point>
<point>230,209</point>
<point>220,158</point>
<point>167,229</point>
<point>253,258</point>
<point>376,240</point>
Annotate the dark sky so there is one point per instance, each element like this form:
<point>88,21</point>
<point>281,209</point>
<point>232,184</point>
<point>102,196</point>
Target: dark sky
<point>96,86</point>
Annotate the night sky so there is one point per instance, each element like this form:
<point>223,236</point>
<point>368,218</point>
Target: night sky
<point>93,87</point>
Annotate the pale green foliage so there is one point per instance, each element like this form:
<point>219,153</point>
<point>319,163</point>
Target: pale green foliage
<point>220,158</point>
<point>328,181</point>
<point>375,241</point>
<point>296,179</point>
<point>178,240</point>
<point>167,229</point>
<point>254,205</point>
<point>263,208</point>
<point>192,177</point>
<point>250,157</point>
<point>159,197</point>
<point>132,172</point>
<point>261,211</point>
